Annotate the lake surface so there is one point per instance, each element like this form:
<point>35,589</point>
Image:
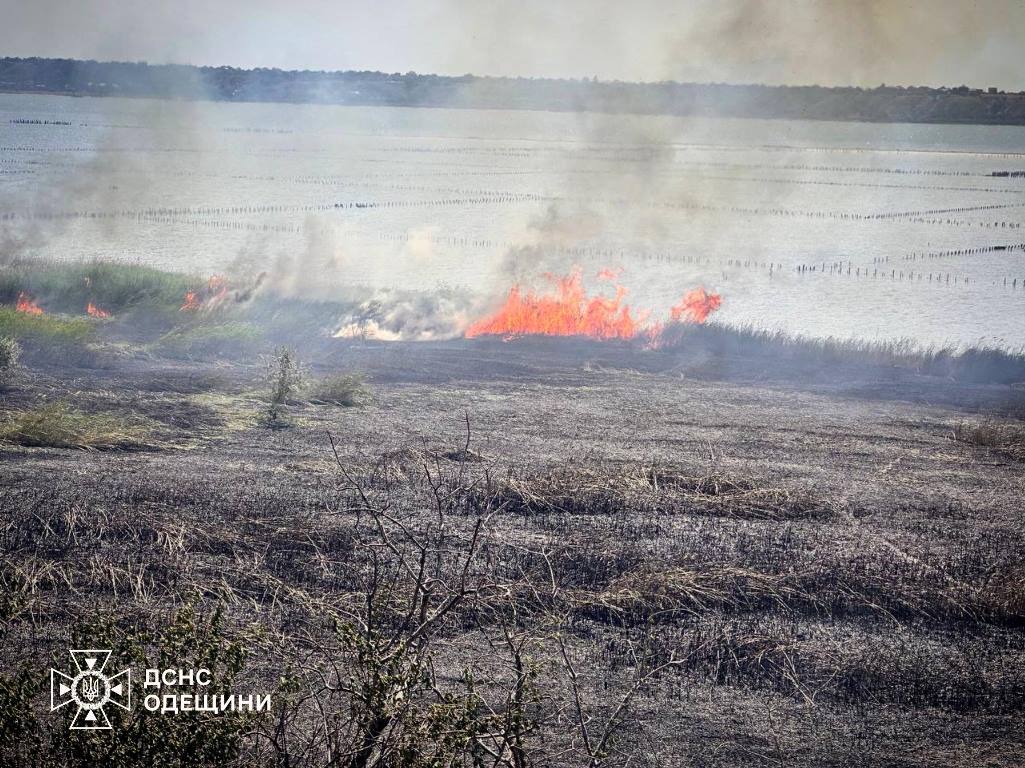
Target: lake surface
<point>825,229</point>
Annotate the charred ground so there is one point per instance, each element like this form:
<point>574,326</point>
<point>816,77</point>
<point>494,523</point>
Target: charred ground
<point>763,565</point>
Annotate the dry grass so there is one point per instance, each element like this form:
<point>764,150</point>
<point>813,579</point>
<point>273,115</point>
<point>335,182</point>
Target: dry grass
<point>660,592</point>
<point>902,624</point>
<point>1005,438</point>
<point>59,426</point>
<point>347,389</point>
<point>604,491</point>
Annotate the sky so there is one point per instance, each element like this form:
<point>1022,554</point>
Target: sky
<point>798,42</point>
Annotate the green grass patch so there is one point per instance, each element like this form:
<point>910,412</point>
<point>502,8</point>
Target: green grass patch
<point>59,426</point>
<point>46,332</point>
<point>230,340</point>
<point>111,286</point>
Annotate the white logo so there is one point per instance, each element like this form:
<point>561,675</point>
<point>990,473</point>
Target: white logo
<point>91,689</point>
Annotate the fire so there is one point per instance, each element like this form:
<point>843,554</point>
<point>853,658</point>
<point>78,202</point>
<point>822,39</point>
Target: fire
<point>696,306</point>
<point>27,305</point>
<point>567,313</point>
<point>93,311</point>
<point>191,303</point>
<point>215,292</point>
<point>570,312</point>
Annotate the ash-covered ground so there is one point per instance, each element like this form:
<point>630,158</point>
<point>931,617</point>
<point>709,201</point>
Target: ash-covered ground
<point>641,559</point>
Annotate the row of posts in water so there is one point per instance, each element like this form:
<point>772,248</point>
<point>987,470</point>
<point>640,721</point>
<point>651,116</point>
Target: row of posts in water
<point>939,278</point>
<point>149,214</point>
<point>486,197</point>
<point>168,214</point>
<point>173,216</point>
<point>931,255</point>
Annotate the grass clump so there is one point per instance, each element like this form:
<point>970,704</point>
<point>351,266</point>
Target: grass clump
<point>347,389</point>
<point>231,340</point>
<point>1003,438</point>
<point>621,489</point>
<point>59,426</point>
<point>48,337</point>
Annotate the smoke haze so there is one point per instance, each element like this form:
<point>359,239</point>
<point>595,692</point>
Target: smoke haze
<point>829,42</point>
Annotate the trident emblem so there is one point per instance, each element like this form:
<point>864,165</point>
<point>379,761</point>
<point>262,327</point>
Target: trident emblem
<point>91,689</point>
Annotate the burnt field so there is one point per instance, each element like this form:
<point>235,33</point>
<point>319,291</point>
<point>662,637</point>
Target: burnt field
<point>538,552</point>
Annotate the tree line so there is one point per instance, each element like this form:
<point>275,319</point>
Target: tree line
<point>882,104</point>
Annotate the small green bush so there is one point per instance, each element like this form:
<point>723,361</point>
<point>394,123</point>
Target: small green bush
<point>139,738</point>
<point>347,389</point>
<point>285,379</point>
<point>59,426</point>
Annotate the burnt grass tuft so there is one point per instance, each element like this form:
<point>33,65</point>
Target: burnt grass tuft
<point>1003,438</point>
<point>625,489</point>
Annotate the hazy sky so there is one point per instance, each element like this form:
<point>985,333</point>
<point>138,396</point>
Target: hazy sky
<point>860,42</point>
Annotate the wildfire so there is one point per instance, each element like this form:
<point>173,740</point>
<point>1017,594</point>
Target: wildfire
<point>695,306</point>
<point>215,292</point>
<point>191,303</point>
<point>570,312</point>
<point>93,311</point>
<point>567,313</point>
<point>27,305</point>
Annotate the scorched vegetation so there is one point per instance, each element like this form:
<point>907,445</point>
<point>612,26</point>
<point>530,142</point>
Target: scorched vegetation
<point>530,553</point>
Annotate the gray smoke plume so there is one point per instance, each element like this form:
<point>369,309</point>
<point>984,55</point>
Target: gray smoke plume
<point>391,315</point>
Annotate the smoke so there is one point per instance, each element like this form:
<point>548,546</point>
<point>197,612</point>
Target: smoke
<point>312,271</point>
<point>69,200</point>
<point>842,42</point>
<point>611,178</point>
<point>391,315</point>
<point>846,42</point>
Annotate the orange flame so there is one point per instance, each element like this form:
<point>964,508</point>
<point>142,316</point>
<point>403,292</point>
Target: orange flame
<point>191,302</point>
<point>215,292</point>
<point>93,311</point>
<point>695,306</point>
<point>570,312</point>
<point>567,313</point>
<point>27,305</point>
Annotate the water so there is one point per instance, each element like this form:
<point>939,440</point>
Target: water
<point>825,229</point>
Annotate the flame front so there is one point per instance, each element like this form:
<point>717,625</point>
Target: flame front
<point>93,311</point>
<point>215,292</point>
<point>570,312</point>
<point>27,305</point>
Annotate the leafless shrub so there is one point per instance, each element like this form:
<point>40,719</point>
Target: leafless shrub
<point>9,353</point>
